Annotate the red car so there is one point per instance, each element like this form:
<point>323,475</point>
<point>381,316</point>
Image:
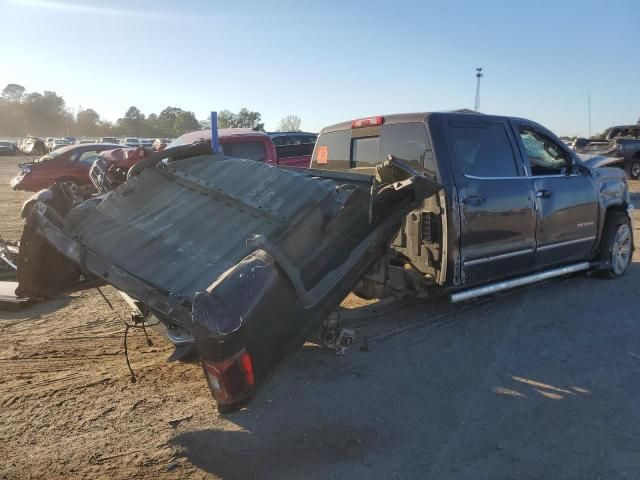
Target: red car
<point>246,143</point>
<point>68,165</point>
<point>110,169</point>
<point>235,142</point>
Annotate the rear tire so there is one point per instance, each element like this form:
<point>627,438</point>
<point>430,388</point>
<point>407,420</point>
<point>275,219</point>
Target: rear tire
<point>70,185</point>
<point>616,245</point>
<point>633,169</point>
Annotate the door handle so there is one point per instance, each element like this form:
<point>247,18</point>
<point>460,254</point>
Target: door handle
<point>473,200</point>
<point>543,193</point>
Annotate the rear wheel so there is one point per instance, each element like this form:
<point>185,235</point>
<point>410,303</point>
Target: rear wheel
<point>616,246</point>
<point>633,169</point>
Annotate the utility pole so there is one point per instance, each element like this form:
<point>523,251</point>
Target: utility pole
<point>589,111</point>
<point>478,76</point>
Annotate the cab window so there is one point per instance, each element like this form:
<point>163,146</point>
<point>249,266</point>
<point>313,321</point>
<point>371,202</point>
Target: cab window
<point>409,143</point>
<point>545,156</point>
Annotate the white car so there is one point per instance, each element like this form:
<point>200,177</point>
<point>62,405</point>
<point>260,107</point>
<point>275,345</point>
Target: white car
<point>57,143</point>
<point>130,142</point>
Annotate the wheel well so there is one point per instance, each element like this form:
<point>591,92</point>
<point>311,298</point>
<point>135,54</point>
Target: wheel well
<point>616,208</point>
<point>69,179</point>
<point>621,209</point>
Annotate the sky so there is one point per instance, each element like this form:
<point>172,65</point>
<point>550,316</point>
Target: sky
<point>328,61</point>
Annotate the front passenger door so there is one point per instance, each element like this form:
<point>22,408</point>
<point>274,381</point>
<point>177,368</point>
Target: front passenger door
<point>565,199</point>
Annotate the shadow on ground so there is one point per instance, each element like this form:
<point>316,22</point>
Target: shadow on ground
<point>544,379</point>
<point>36,309</point>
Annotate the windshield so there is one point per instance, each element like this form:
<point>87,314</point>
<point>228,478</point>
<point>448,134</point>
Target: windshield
<point>53,154</point>
<point>191,137</point>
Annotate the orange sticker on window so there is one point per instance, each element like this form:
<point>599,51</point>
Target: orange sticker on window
<point>323,154</point>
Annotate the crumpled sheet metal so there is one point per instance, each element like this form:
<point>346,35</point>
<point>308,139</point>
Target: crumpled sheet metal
<point>178,227</point>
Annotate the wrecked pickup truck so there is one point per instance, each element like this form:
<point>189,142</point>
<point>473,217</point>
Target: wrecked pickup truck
<point>248,260</point>
<point>621,150</point>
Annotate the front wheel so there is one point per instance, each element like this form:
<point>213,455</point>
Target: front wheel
<point>616,246</point>
<point>70,186</point>
<point>633,169</point>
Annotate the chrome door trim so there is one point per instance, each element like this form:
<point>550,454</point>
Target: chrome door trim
<point>478,261</point>
<point>527,177</point>
<point>564,244</point>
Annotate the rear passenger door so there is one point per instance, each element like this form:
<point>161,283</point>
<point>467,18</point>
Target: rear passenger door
<point>497,219</point>
<point>566,200</point>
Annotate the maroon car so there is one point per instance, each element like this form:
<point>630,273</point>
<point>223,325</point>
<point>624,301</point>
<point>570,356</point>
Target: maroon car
<point>69,165</point>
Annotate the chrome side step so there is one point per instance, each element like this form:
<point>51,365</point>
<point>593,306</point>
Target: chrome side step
<point>517,282</point>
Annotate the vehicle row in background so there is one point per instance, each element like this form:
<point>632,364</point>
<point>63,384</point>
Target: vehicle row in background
<point>8,148</point>
<point>620,148</point>
<point>105,165</point>
<point>69,165</point>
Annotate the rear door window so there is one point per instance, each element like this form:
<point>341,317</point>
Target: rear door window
<point>484,150</point>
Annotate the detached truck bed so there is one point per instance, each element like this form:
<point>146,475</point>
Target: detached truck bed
<point>247,257</point>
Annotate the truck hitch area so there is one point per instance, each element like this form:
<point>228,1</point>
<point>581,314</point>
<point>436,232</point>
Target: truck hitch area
<point>333,336</point>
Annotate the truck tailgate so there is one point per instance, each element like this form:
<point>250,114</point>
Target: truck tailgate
<point>248,256</point>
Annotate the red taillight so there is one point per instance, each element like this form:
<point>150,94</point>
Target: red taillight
<point>247,366</point>
<point>230,379</point>
<point>367,122</point>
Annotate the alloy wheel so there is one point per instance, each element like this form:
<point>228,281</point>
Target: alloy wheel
<point>621,249</point>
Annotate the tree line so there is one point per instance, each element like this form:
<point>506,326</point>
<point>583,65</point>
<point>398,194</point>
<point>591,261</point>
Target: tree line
<point>46,114</point>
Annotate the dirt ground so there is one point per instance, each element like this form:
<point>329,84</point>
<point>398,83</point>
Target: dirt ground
<point>542,382</point>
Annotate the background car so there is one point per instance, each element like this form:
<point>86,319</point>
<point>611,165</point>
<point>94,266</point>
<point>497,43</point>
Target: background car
<point>160,143</point>
<point>130,141</point>
<point>146,143</point>
<point>7,148</point>
<point>69,165</point>
<point>108,140</point>
<point>111,166</point>
<point>293,148</point>
<point>58,143</point>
